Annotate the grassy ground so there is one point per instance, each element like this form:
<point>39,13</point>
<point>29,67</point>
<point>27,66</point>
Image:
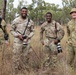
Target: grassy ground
<point>37,57</point>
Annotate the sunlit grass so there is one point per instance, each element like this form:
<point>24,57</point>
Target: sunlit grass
<point>36,56</point>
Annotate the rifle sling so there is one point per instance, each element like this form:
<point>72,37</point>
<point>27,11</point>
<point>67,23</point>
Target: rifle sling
<point>26,26</point>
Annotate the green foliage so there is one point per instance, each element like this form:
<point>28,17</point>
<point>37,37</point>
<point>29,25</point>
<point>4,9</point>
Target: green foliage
<point>38,9</point>
<point>1,4</point>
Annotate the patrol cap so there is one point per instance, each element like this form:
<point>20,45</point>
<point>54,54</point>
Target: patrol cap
<point>73,10</point>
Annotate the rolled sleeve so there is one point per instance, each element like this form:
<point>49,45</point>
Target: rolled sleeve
<point>31,30</point>
<point>41,33</point>
<point>13,29</point>
<point>60,33</point>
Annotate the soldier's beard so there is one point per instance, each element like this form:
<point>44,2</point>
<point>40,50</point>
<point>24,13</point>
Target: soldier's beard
<point>24,17</point>
<point>49,21</point>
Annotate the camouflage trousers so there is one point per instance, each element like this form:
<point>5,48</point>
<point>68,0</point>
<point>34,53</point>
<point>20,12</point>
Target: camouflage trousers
<point>20,58</point>
<point>50,54</point>
<point>52,59</point>
<point>71,59</point>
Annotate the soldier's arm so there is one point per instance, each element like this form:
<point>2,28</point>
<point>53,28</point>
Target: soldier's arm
<point>41,33</point>
<point>60,33</point>
<point>13,29</point>
<point>31,30</point>
<point>68,31</point>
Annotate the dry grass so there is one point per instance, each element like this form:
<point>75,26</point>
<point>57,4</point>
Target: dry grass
<point>36,58</point>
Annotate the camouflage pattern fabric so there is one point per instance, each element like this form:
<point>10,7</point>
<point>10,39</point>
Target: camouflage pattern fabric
<point>21,51</point>
<point>71,29</point>
<point>50,49</point>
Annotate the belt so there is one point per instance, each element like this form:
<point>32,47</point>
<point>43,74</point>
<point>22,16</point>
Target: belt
<point>52,37</point>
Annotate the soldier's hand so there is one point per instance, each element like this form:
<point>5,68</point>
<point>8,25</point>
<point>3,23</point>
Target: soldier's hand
<point>42,43</point>
<point>56,41</point>
<point>20,37</point>
<point>7,43</point>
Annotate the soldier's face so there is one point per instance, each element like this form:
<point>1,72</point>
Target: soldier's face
<point>73,15</point>
<point>24,13</point>
<point>48,17</point>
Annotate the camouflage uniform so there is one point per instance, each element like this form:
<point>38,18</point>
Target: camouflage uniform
<point>71,28</point>
<point>50,49</point>
<point>21,51</point>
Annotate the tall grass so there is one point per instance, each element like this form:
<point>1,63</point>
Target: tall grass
<point>36,58</point>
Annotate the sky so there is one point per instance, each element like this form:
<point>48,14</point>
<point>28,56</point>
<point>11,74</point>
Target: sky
<point>59,2</point>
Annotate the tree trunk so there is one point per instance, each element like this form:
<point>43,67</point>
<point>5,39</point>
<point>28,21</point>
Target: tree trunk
<point>4,8</point>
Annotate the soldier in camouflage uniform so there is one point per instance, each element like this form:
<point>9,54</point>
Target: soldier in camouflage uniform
<point>50,49</point>
<point>3,30</point>
<point>71,29</point>
<point>21,26</point>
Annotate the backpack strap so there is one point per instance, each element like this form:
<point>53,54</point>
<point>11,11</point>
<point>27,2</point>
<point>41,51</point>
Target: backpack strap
<point>25,27</point>
<point>56,29</point>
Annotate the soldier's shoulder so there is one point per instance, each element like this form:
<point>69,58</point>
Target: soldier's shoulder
<point>70,22</point>
<point>16,20</point>
<point>44,24</point>
<point>30,20</point>
<point>55,22</point>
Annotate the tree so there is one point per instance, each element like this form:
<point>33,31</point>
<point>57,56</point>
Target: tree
<point>69,3</point>
<point>4,8</point>
<point>67,6</point>
<point>10,13</point>
<point>1,4</point>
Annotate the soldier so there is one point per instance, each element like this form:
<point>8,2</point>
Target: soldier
<point>22,29</point>
<point>3,29</point>
<point>71,29</point>
<point>53,33</point>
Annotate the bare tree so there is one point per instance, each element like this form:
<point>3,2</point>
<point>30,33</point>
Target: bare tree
<point>4,8</point>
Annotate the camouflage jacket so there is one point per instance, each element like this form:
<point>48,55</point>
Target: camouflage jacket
<point>19,25</point>
<point>49,29</point>
<point>71,30</point>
